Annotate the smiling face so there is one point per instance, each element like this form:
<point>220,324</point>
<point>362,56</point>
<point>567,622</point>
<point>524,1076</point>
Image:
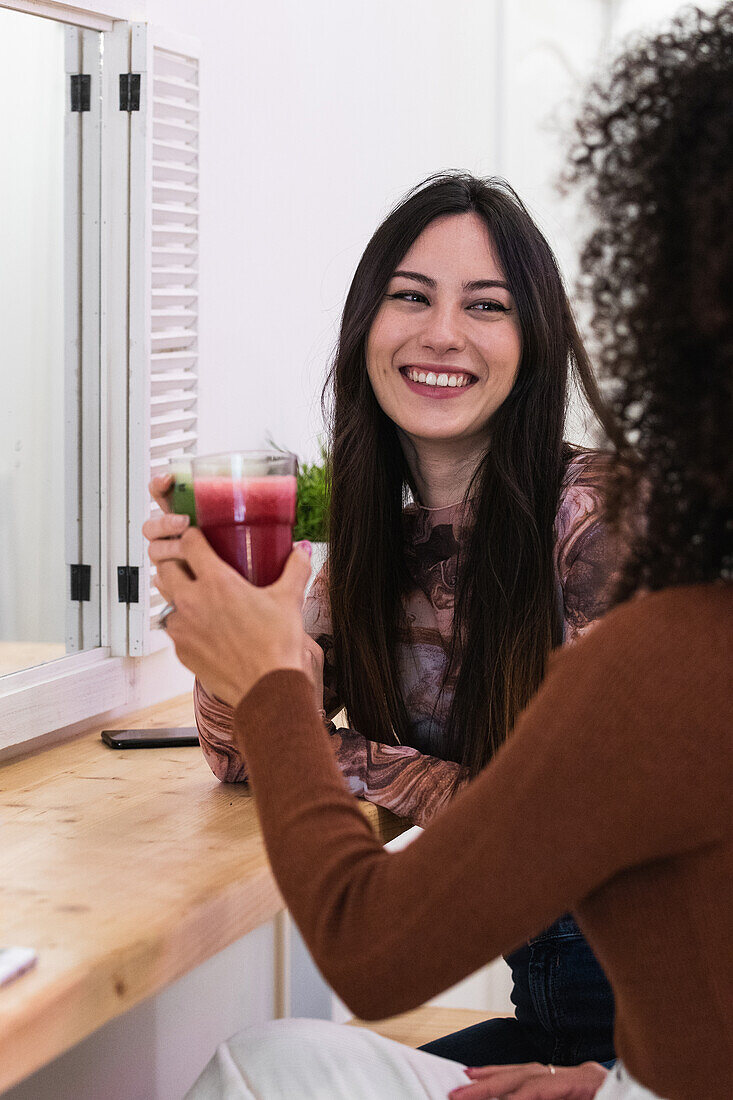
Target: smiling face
<point>444,347</point>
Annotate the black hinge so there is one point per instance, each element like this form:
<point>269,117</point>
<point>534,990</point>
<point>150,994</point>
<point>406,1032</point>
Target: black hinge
<point>129,91</point>
<point>127,584</point>
<point>81,89</point>
<point>81,582</point>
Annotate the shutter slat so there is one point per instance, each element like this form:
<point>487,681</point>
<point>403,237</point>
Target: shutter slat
<point>165,149</point>
<point>169,64</point>
<point>172,444</point>
<point>159,463</point>
<point>164,234</point>
<point>167,190</point>
<point>172,277</point>
<point>163,360</point>
<point>173,339</point>
<point>173,170</point>
<point>175,318</point>
<point>173,214</point>
<point>172,382</point>
<point>173,295</point>
<point>173,85</point>
<point>176,107</point>
<point>166,253</point>
<point>163,424</point>
<point>173,402</point>
<point>172,129</point>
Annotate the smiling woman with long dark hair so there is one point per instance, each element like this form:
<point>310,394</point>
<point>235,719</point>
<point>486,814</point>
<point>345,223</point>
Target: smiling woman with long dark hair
<point>466,542</point>
<point>504,452</point>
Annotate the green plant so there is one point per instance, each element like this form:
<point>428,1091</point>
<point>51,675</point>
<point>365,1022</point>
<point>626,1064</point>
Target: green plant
<point>311,514</point>
<point>311,517</point>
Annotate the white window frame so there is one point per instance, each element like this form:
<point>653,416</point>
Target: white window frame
<point>100,16</point>
<point>46,698</point>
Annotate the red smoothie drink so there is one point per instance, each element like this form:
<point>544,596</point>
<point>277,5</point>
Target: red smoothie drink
<point>248,522</point>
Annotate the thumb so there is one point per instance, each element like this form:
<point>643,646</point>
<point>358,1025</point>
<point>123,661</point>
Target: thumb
<point>297,571</point>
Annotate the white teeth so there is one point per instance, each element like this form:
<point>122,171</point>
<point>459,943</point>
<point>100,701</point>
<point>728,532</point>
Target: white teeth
<point>431,379</point>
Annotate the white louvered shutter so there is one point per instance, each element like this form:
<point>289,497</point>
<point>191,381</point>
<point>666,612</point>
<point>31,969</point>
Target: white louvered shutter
<point>164,281</point>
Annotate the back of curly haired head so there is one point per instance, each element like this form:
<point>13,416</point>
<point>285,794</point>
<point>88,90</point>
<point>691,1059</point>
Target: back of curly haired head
<point>653,149</point>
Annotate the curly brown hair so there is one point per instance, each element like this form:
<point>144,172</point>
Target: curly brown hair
<point>652,151</point>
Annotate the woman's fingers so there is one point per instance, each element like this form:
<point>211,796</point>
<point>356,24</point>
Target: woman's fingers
<point>159,487</point>
<point>517,1070</point>
<point>313,667</point>
<point>532,1081</point>
<point>296,573</point>
<point>315,654</point>
<point>172,578</point>
<point>165,527</point>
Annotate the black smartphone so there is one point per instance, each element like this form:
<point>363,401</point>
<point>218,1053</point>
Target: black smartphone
<point>150,739</point>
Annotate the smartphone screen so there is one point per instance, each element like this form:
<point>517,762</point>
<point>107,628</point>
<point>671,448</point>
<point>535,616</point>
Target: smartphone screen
<point>151,738</point>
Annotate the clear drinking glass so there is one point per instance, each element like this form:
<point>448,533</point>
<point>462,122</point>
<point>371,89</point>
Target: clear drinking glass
<point>245,506</point>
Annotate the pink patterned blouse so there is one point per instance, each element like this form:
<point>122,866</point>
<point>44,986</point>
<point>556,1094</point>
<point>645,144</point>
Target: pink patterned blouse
<point>413,780</point>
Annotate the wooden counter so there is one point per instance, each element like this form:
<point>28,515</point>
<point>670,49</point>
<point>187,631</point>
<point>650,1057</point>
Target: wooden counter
<point>123,869</point>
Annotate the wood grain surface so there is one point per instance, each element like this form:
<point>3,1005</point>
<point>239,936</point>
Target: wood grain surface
<point>123,869</point>
<point>424,1024</point>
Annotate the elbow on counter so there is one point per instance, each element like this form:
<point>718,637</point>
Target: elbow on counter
<point>226,768</point>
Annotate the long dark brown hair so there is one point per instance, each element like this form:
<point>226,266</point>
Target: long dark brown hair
<point>506,618</point>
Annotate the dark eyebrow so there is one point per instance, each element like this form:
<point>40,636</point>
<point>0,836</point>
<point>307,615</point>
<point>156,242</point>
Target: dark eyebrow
<point>477,284</point>
<point>485,284</point>
<point>424,279</point>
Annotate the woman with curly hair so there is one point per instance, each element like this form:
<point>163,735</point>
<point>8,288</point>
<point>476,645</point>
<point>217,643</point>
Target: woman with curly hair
<point>612,796</point>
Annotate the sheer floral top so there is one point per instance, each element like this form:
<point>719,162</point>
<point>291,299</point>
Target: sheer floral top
<point>412,779</point>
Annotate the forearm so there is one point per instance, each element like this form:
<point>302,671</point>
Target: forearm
<point>362,910</point>
<point>411,785</point>
<point>397,777</point>
<point>496,865</point>
<point>215,723</point>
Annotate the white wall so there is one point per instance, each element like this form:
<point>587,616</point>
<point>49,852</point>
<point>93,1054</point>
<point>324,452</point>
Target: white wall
<point>630,17</point>
<point>315,118</point>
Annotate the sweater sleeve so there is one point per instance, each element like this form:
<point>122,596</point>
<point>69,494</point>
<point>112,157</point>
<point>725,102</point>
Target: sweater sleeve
<point>524,843</point>
<point>397,777</point>
<point>215,723</point>
<point>587,552</point>
<point>215,719</point>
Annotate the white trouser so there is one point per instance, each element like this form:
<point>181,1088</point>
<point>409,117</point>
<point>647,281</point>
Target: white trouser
<point>620,1085</point>
<point>318,1060</point>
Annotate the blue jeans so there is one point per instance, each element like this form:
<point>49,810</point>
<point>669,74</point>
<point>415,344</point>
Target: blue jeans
<point>564,1008</point>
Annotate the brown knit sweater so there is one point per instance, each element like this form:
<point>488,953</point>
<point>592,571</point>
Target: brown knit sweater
<point>611,798</point>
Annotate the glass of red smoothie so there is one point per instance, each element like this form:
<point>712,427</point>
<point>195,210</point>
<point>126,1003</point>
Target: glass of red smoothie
<point>245,506</point>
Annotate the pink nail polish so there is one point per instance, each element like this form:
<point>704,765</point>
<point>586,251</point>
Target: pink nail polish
<point>306,546</point>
